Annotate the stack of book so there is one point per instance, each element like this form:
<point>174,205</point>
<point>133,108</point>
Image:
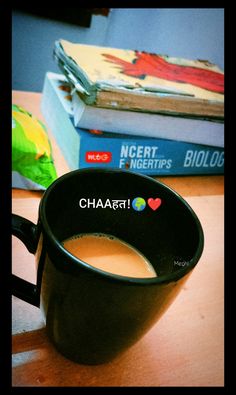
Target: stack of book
<point>144,112</point>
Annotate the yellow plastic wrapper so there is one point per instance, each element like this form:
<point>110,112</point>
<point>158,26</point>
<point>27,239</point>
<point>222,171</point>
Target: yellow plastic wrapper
<point>32,162</point>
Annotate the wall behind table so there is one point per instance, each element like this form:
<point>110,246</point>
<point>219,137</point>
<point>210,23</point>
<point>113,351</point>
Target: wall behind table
<point>191,33</point>
<point>33,41</point>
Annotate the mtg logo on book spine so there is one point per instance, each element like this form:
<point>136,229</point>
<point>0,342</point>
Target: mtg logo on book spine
<point>98,157</point>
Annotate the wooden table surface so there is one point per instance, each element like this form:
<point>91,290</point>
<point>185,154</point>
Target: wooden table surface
<point>184,348</point>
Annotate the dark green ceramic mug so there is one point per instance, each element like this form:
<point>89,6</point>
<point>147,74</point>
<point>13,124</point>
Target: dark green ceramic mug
<point>92,316</point>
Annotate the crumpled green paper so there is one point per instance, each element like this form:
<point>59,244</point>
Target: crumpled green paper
<point>32,162</point>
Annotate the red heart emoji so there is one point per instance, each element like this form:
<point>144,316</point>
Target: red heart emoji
<point>154,203</point>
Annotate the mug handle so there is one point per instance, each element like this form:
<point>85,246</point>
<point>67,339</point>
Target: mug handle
<point>26,231</point>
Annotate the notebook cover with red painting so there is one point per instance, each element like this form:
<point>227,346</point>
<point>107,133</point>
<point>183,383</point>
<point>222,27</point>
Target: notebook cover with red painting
<point>141,81</point>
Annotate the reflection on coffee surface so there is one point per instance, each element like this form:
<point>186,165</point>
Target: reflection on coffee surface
<point>109,254</point>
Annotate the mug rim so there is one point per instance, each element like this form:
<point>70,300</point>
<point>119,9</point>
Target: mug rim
<point>166,278</point>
